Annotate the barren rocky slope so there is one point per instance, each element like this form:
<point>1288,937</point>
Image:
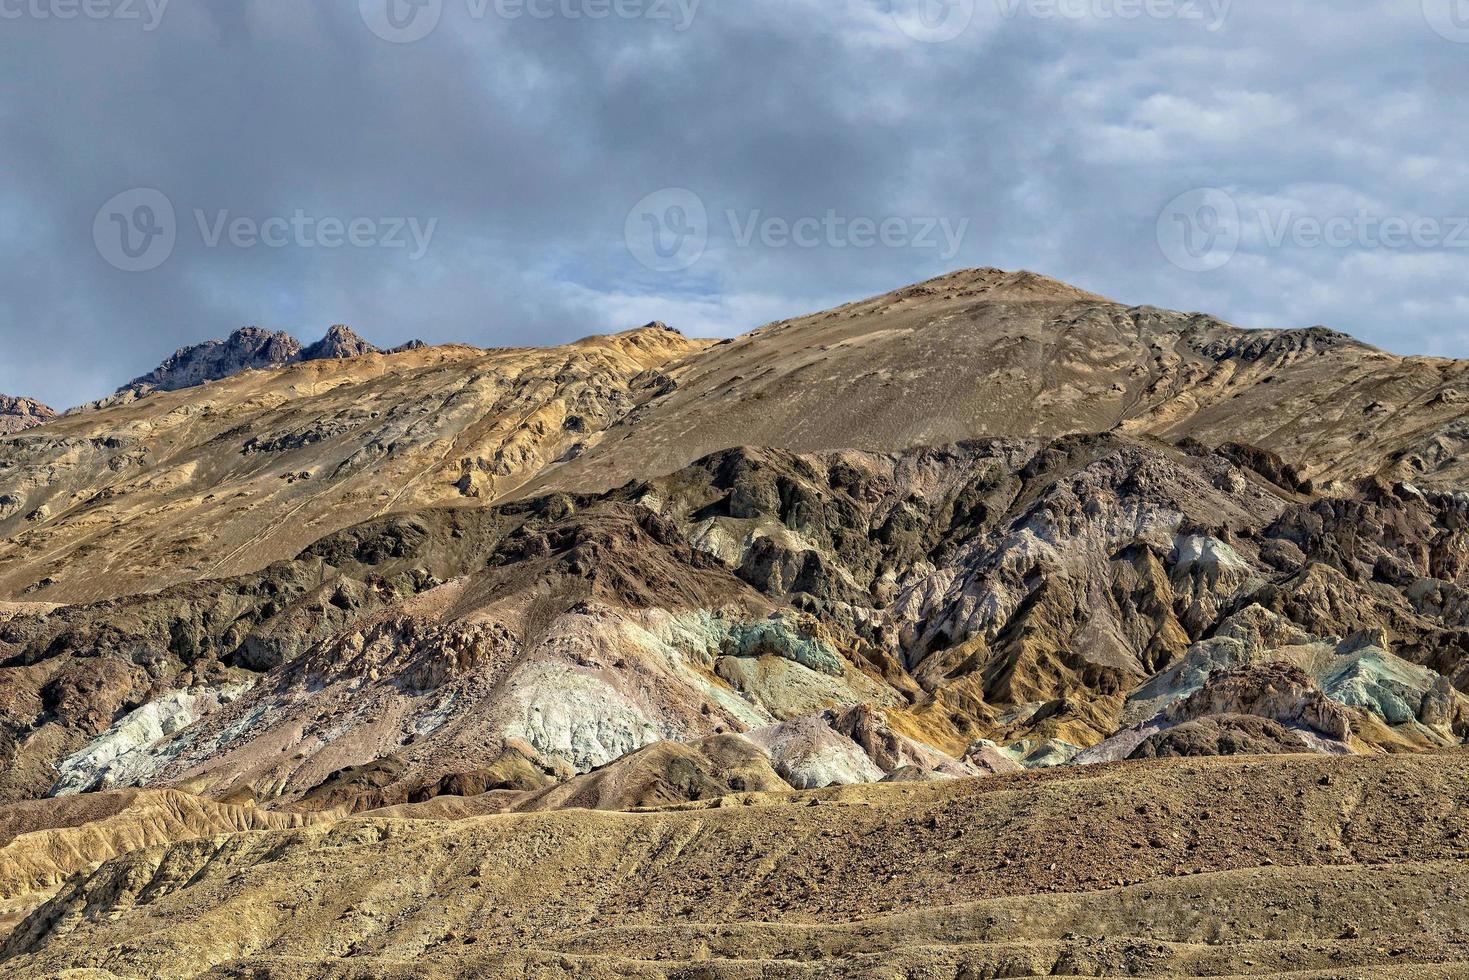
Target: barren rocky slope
<point>1298,867</point>
<point>989,353</point>
<point>417,600</point>
<point>854,615</point>
<point>230,476</point>
<point>281,457</point>
<point>19,414</point>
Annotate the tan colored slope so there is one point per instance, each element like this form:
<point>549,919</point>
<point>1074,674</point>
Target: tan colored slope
<point>45,842</point>
<point>984,352</point>
<point>1296,866</point>
<point>227,477</point>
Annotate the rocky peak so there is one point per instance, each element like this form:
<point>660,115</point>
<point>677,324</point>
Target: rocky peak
<point>19,414</point>
<point>247,349</point>
<point>250,348</point>
<point>998,284</point>
<point>341,341</point>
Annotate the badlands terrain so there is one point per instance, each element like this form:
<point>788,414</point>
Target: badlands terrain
<point>984,628</point>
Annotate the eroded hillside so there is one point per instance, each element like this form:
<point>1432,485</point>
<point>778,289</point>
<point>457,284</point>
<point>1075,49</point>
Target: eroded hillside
<point>325,661</point>
<point>1213,868</point>
<point>227,477</point>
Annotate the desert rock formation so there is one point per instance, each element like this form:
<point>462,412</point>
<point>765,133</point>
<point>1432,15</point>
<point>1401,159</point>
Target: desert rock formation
<point>227,477</point>
<point>19,414</point>
<point>1070,638</point>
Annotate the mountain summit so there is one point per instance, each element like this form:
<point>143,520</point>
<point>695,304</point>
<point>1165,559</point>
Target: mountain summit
<point>979,353</point>
<point>340,341</point>
<point>18,414</point>
<point>247,349</point>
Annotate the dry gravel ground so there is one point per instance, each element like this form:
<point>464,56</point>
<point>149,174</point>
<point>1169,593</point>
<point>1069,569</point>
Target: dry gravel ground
<point>1289,866</point>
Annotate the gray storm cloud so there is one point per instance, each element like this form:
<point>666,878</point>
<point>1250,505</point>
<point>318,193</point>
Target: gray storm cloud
<point>562,161</point>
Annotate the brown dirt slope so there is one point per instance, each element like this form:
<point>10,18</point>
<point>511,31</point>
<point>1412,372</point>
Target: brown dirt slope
<point>984,352</point>
<point>1296,866</point>
<point>45,842</point>
<point>226,477</point>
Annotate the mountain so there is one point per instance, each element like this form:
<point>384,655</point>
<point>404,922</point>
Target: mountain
<point>19,414</point>
<point>987,627</point>
<point>985,353</point>
<point>247,349</point>
<point>230,476</point>
<point>124,498</point>
<point>340,342</point>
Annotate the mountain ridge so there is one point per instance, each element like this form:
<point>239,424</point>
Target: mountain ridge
<point>1192,600</point>
<point>247,349</point>
<point>975,354</point>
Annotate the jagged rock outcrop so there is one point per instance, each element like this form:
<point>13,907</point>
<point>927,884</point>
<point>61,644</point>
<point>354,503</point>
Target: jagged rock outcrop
<point>1222,734</point>
<point>247,349</point>
<point>340,342</point>
<point>20,414</point>
<point>1280,692</point>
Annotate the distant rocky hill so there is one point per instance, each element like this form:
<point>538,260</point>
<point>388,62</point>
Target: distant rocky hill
<point>340,341</point>
<point>247,349</point>
<point>19,414</point>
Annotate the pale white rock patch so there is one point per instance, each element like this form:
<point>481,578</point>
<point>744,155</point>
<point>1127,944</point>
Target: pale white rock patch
<point>127,754</point>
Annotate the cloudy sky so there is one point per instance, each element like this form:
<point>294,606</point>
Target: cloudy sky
<point>532,171</point>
